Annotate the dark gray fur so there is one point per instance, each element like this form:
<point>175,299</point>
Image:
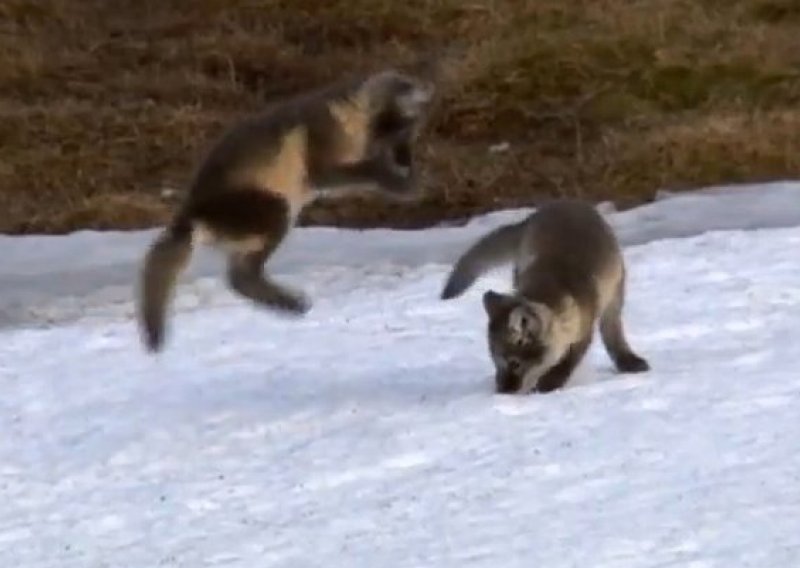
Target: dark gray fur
<point>567,263</point>
<point>240,214</point>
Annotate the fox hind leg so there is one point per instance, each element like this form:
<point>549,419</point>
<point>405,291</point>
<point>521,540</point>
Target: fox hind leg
<point>252,224</point>
<point>612,333</point>
<point>246,277</point>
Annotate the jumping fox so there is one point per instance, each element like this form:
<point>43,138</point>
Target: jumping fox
<point>568,273</point>
<point>247,193</point>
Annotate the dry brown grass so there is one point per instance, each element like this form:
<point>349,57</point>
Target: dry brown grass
<point>105,103</point>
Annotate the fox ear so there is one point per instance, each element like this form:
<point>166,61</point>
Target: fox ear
<point>414,101</point>
<point>411,95</point>
<point>495,303</point>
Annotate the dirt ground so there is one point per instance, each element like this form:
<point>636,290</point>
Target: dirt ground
<point>106,106</point>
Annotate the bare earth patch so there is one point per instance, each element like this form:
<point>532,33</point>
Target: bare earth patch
<point>103,105</point>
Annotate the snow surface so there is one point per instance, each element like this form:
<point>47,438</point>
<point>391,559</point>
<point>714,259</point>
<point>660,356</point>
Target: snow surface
<point>367,435</point>
<point>48,279</point>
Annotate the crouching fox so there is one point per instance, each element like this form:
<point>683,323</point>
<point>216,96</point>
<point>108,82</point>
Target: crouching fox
<point>568,274</point>
<point>253,183</point>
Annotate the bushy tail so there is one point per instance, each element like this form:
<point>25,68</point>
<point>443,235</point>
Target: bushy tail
<point>493,249</point>
<point>163,263</point>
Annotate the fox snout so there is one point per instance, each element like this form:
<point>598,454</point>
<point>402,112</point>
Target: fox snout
<point>507,382</point>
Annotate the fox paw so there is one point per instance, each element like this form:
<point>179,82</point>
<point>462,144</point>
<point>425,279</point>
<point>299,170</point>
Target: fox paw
<point>301,304</point>
<point>632,363</point>
<point>296,304</point>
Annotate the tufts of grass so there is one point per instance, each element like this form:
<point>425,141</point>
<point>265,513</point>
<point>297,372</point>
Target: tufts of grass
<point>103,105</point>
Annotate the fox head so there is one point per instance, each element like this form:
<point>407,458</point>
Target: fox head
<point>398,103</point>
<point>396,100</point>
<point>522,342</point>
<point>379,122</point>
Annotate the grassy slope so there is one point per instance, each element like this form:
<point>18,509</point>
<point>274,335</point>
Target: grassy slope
<point>104,103</point>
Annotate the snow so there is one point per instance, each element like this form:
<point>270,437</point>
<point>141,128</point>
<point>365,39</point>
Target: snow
<point>47,279</point>
<point>366,434</point>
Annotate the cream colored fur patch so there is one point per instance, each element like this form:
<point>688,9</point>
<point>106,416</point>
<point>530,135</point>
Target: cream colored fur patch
<point>284,173</point>
<point>607,283</point>
<point>353,116</point>
<point>203,235</point>
<point>562,329</point>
